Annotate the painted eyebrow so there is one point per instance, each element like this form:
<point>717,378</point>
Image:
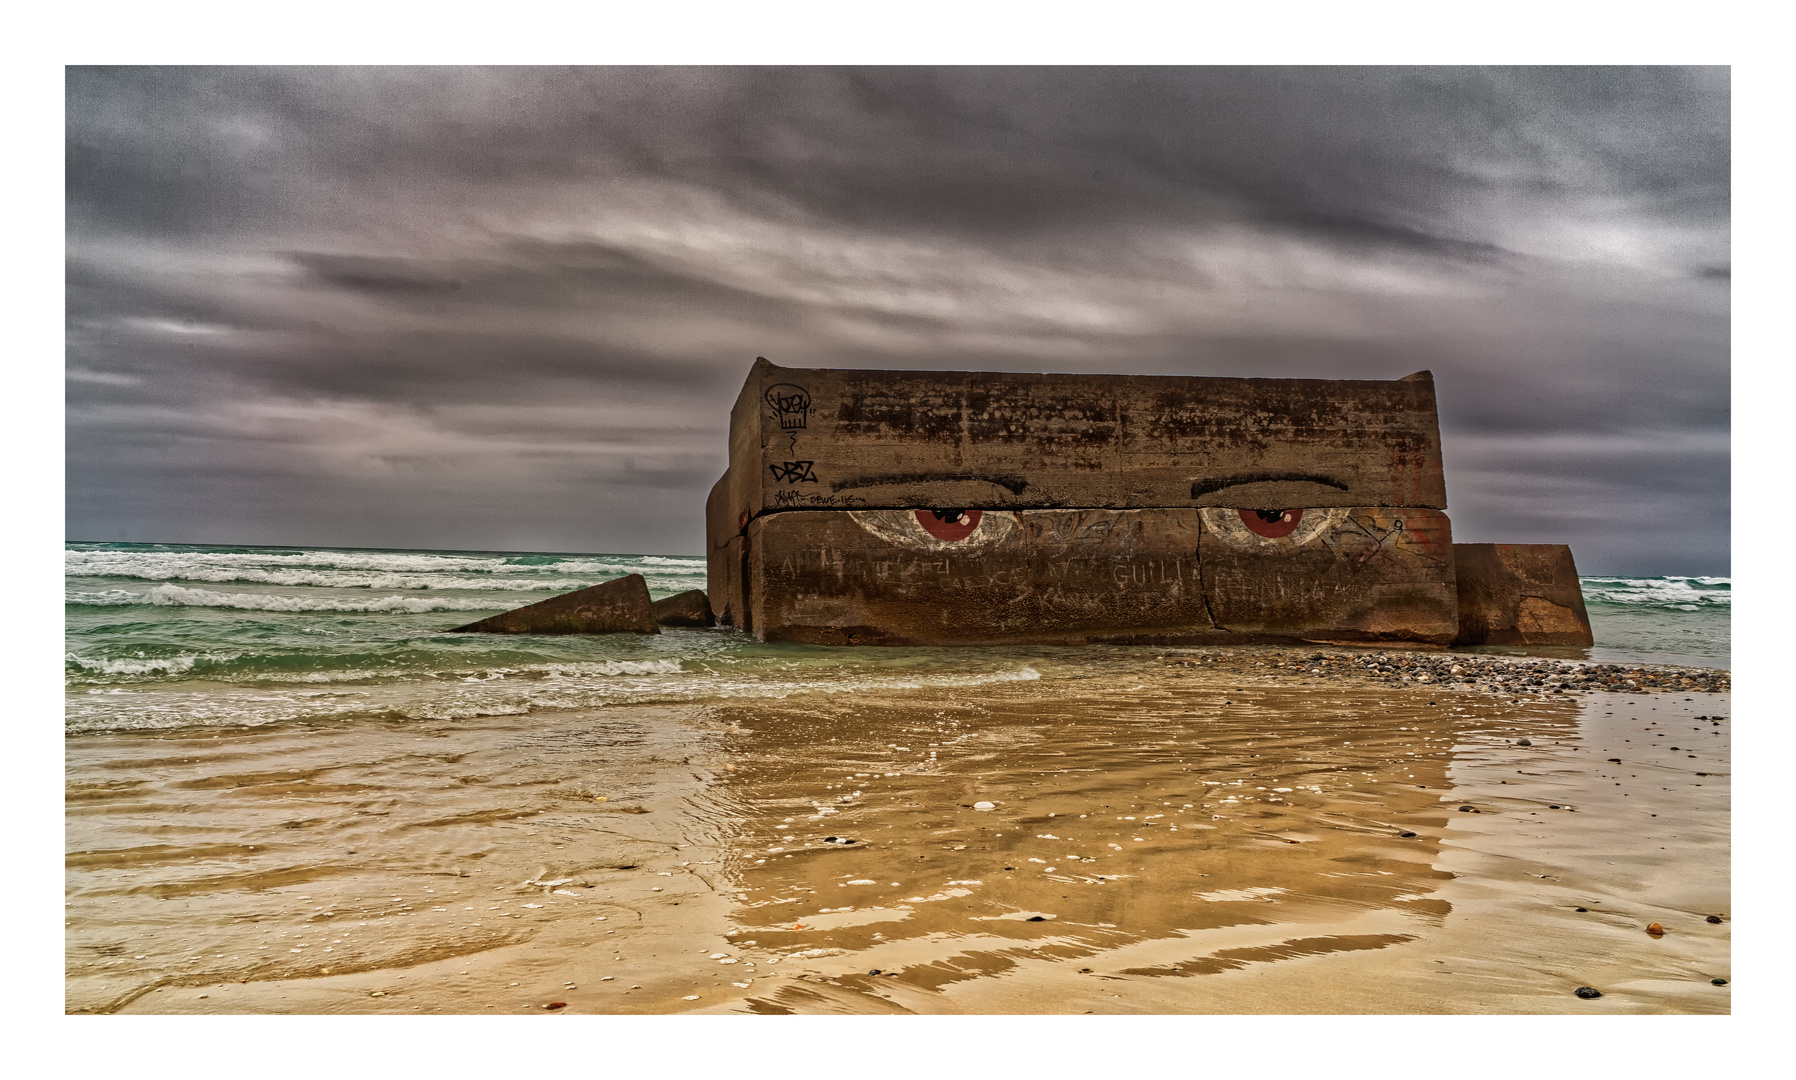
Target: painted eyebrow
<point>1208,487</point>
<point>1013,484</point>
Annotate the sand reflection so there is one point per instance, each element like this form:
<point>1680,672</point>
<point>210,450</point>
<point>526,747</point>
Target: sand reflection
<point>1178,829</point>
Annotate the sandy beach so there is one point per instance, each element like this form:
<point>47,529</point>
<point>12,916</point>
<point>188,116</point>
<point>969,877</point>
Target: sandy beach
<point>1137,832</point>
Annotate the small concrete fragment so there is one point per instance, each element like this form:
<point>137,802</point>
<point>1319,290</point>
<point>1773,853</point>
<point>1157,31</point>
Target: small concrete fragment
<point>691,608</point>
<point>1519,594</point>
<point>620,606</point>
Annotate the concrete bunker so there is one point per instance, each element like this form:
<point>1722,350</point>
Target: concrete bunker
<point>936,508</point>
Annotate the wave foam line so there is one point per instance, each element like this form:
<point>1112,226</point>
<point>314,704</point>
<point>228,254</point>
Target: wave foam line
<point>166,563</point>
<point>118,710</point>
<point>1683,593</point>
<point>340,579</point>
<point>178,596</point>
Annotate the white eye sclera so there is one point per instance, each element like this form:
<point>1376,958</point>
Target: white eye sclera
<point>947,529</point>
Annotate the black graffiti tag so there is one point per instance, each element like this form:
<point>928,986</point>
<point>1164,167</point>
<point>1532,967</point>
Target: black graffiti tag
<point>793,472</point>
<point>791,404</point>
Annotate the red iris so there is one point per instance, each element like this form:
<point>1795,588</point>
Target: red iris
<point>1271,524</point>
<point>948,524</point>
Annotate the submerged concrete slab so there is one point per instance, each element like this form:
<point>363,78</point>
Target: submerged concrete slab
<point>614,607</point>
<point>1519,594</point>
<point>814,439</point>
<point>691,608</point>
<point>1159,576</point>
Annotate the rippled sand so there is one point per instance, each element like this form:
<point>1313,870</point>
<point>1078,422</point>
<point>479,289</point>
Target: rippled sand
<point>1161,839</point>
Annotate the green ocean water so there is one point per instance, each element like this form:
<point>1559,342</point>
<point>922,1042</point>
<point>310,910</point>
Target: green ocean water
<point>167,636</point>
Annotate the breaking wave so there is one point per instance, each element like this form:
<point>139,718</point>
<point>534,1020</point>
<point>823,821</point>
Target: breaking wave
<point>202,565</point>
<point>180,596</point>
<point>1674,593</point>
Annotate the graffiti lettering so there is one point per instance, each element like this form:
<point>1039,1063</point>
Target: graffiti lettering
<point>791,405</point>
<point>794,472</point>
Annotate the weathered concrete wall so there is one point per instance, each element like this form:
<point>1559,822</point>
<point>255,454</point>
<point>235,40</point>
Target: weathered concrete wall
<point>1519,594</point>
<point>813,439</point>
<point>956,507</point>
<point>1161,575</point>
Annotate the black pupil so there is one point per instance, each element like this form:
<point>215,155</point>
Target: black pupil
<point>1270,516</point>
<point>953,516</point>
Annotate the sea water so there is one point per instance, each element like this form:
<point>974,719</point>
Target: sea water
<point>289,790</point>
<point>163,636</point>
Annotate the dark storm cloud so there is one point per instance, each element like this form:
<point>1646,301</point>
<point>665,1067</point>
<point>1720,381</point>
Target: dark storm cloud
<point>426,305</point>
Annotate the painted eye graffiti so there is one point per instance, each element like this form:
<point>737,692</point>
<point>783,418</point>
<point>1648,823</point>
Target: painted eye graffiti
<point>960,531</point>
<point>949,525</point>
<point>1271,524</point>
<point>1263,530</point>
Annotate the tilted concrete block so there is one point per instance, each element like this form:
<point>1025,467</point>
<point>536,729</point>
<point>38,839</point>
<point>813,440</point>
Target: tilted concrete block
<point>1155,576</point>
<point>1519,594</point>
<point>691,608</point>
<point>614,607</point>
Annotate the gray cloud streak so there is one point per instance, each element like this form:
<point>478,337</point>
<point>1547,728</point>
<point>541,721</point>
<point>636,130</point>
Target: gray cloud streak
<point>510,307</point>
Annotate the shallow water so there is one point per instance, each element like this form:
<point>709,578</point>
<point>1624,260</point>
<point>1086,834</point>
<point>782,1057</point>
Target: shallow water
<point>1174,832</point>
<point>172,636</point>
<point>289,791</point>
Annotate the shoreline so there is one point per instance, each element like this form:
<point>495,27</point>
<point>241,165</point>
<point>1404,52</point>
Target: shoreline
<point>1192,837</point>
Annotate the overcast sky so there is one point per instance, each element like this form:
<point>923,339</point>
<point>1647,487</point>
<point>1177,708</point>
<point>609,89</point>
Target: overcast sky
<point>509,308</point>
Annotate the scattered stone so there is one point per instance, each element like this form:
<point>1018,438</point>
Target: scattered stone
<point>1501,675</point>
<point>1718,982</point>
<point>1406,834</point>
<point>1588,992</point>
<point>1713,919</point>
<point>1468,810</point>
<point>985,806</point>
<point>1035,918</point>
<point>615,607</point>
<point>1523,742</point>
<point>691,608</point>
<point>1583,909</point>
<point>1656,930</point>
<point>553,1005</point>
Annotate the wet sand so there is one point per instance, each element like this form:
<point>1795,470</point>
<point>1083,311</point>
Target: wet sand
<point>1163,837</point>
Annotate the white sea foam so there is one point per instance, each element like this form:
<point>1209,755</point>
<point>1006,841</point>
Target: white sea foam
<point>341,579</point>
<point>1681,593</point>
<point>164,565</point>
<point>166,665</point>
<point>656,682</point>
<point>180,596</point>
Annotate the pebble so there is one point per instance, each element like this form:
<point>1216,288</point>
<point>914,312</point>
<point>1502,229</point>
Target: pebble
<point>1718,982</point>
<point>1656,930</point>
<point>1523,742</point>
<point>553,1005</point>
<point>1406,835</point>
<point>1490,674</point>
<point>1588,992</point>
<point>984,806</point>
<point>1713,919</point>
